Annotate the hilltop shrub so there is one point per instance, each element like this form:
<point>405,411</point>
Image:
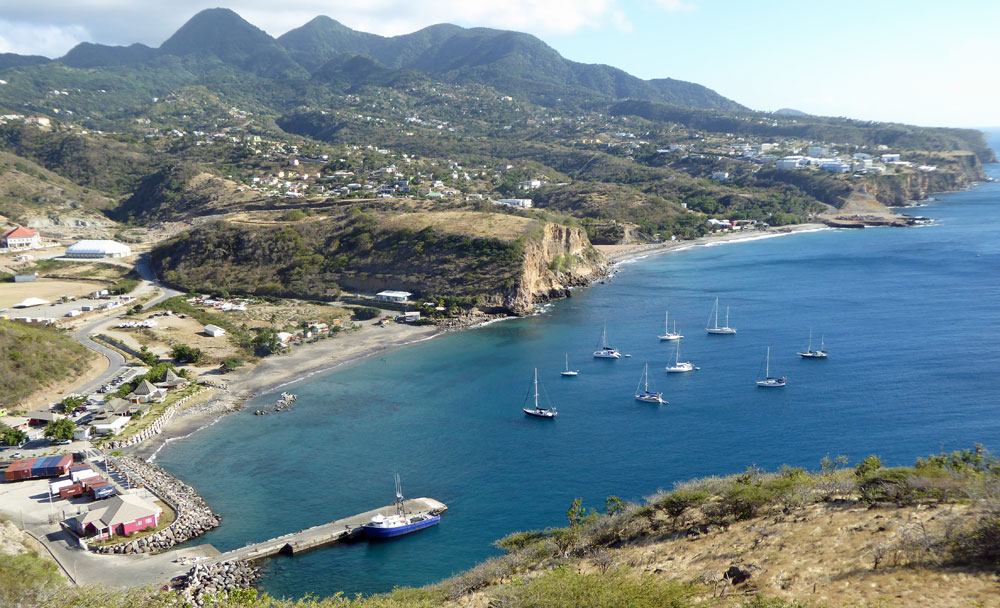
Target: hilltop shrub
<point>677,502</point>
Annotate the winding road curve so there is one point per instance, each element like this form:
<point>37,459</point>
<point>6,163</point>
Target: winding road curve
<point>116,360</point>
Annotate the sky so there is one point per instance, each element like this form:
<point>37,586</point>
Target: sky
<point>924,62</point>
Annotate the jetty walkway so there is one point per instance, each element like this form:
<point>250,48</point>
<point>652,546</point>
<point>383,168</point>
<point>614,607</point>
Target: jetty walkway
<point>324,534</point>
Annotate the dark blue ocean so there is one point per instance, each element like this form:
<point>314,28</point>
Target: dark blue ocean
<point>911,318</point>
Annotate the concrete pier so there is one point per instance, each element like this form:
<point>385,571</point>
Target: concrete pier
<point>324,534</point>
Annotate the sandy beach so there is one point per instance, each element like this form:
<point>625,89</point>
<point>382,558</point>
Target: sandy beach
<point>278,372</point>
<point>621,253</point>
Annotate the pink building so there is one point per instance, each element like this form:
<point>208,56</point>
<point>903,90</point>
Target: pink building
<point>119,516</point>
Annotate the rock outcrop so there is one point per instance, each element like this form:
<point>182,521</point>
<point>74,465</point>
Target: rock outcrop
<point>560,258</point>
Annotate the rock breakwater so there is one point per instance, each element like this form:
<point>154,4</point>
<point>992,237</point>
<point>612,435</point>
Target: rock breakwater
<point>194,517</point>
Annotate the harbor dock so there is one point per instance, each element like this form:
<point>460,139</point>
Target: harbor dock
<point>324,534</point>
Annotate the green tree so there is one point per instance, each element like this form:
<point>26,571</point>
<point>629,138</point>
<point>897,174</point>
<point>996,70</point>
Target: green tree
<point>232,363</point>
<point>60,430</point>
<point>364,313</point>
<point>868,466</point>
<point>11,436</point>
<point>147,357</point>
<point>183,353</point>
<point>70,403</point>
<point>135,309</point>
<point>614,505</point>
<point>266,342</point>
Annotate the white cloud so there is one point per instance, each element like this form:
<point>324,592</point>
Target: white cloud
<point>39,39</point>
<point>676,6</point>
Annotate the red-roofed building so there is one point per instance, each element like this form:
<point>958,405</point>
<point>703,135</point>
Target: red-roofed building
<point>21,238</point>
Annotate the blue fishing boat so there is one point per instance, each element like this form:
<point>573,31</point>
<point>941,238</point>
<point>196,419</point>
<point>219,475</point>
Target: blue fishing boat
<point>387,526</point>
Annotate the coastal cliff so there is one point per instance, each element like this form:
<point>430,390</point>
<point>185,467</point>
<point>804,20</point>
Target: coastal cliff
<point>560,258</point>
<point>954,171</point>
<point>501,263</point>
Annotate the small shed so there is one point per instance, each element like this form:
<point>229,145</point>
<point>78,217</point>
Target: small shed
<point>214,331</point>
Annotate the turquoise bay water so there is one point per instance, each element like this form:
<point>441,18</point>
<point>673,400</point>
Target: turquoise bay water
<point>911,319</point>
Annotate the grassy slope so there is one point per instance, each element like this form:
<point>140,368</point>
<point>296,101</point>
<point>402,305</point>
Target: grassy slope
<point>867,536</point>
<point>34,357</point>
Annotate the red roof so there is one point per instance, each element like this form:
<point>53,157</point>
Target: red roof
<point>20,232</point>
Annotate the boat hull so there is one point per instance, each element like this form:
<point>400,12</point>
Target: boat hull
<point>772,383</point>
<point>670,337</point>
<point>569,373</point>
<point>378,532</point>
<point>651,398</point>
<point>539,413</point>
<point>720,331</point>
<point>602,354</point>
<point>813,354</point>
<point>679,369</point>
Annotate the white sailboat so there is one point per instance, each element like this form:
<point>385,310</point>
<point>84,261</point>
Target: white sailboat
<point>538,411</point>
<point>645,394</point>
<point>568,371</point>
<point>770,381</point>
<point>814,354</point>
<point>667,334</point>
<point>606,352</point>
<point>715,329</point>
<point>679,366</point>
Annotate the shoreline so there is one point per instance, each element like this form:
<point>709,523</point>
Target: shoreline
<point>276,372</point>
<point>617,254</point>
<point>311,360</point>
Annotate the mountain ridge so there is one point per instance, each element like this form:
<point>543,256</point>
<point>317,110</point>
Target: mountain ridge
<point>515,63</point>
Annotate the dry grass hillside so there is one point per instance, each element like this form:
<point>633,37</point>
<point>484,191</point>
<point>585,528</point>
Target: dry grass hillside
<point>473,224</point>
<point>33,196</point>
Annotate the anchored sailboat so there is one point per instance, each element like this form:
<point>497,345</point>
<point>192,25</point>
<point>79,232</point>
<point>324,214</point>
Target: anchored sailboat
<point>679,366</point>
<point>667,334</point>
<point>645,394</point>
<point>606,352</point>
<point>715,329</point>
<point>568,371</point>
<point>770,381</point>
<point>814,354</point>
<point>538,411</point>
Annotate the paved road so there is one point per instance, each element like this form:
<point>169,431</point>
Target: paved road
<point>117,361</point>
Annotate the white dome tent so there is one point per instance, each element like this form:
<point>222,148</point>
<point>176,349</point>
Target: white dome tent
<point>98,249</point>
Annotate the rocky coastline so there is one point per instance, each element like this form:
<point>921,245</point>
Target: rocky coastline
<point>194,517</point>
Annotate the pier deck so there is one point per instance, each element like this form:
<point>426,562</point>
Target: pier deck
<point>324,534</point>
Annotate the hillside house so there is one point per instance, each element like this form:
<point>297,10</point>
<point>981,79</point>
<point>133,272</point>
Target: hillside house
<point>214,331</point>
<point>21,238</point>
<point>392,296</point>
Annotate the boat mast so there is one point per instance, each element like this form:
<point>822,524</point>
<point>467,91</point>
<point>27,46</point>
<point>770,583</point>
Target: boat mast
<point>604,335</point>
<point>399,496</point>
<point>716,313</point>
<point>536,387</point>
<point>810,349</point>
<point>645,376</point>
<point>666,322</point>
<point>767,364</point>
<point>567,361</point>
<point>727,318</point>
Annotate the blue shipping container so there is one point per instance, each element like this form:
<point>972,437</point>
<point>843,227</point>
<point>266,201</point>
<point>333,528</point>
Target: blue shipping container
<point>43,467</point>
<point>104,491</point>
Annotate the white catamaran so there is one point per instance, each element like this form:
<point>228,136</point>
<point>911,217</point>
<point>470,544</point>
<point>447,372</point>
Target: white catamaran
<point>606,352</point>
<point>814,354</point>
<point>715,329</point>
<point>667,334</point>
<point>770,381</point>
<point>679,366</point>
<point>568,371</point>
<point>538,411</point>
<point>645,394</point>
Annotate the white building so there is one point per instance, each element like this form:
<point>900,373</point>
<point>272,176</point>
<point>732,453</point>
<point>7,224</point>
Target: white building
<point>392,296</point>
<point>21,238</point>
<point>523,203</point>
<point>98,249</point>
<point>791,162</point>
<point>720,176</point>
<point>530,184</point>
<point>890,158</point>
<point>835,167</point>
<point>214,331</point>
